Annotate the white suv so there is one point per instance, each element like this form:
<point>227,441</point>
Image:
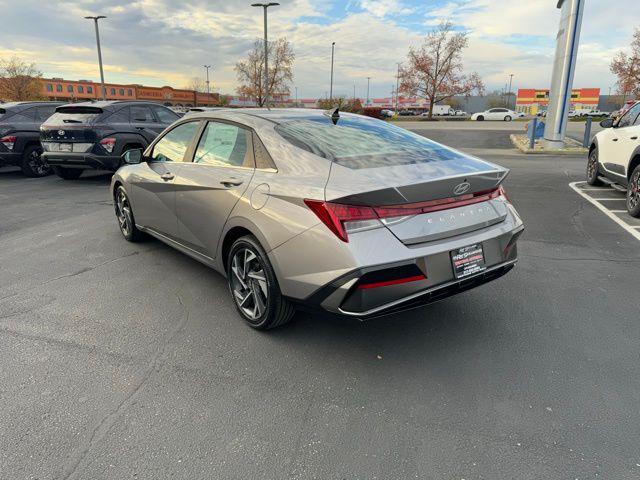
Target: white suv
<point>614,156</point>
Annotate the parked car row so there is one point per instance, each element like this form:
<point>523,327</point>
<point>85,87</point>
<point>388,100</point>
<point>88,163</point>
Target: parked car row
<point>614,156</point>
<point>43,136</point>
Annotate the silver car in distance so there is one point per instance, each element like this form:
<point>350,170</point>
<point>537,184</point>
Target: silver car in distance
<point>329,210</point>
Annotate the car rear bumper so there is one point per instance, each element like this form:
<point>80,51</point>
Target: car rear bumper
<point>379,255</point>
<point>8,158</point>
<point>82,160</point>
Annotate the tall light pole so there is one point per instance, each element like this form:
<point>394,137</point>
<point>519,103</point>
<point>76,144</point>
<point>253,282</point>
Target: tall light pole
<point>354,93</point>
<point>509,94</point>
<point>296,96</point>
<point>266,48</point>
<point>95,22</point>
<point>207,67</point>
<point>397,85</point>
<point>333,46</point>
<point>368,80</point>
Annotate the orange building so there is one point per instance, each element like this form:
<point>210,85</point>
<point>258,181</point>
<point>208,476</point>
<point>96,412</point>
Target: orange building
<point>82,90</point>
<point>531,100</point>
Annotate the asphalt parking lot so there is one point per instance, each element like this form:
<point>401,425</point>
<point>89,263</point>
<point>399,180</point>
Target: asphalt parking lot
<point>128,361</point>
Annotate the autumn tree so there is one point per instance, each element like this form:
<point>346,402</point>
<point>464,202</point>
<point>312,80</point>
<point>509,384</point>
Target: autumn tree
<point>197,85</point>
<point>19,80</point>
<point>250,71</point>
<point>626,66</point>
<point>434,70</point>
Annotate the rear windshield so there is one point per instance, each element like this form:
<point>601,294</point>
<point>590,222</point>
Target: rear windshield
<point>362,142</point>
<point>65,115</point>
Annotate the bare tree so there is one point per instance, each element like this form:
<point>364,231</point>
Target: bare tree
<point>250,71</point>
<point>197,85</point>
<point>19,80</point>
<point>627,68</point>
<point>435,70</point>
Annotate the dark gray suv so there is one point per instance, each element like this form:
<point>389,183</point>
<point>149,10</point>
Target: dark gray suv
<point>94,135</point>
<point>20,136</point>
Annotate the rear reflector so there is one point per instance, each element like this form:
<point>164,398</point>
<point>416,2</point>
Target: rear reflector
<point>8,141</point>
<point>337,216</point>
<point>386,283</point>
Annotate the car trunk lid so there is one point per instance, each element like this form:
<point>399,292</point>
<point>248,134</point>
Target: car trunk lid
<point>71,124</point>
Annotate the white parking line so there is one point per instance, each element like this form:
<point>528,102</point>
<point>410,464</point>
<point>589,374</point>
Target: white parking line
<point>595,201</point>
<point>618,211</point>
<point>610,199</point>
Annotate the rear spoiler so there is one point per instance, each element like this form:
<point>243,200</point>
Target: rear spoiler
<point>78,109</point>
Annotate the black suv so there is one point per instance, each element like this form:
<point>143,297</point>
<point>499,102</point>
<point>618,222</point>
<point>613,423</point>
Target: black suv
<point>20,136</point>
<point>94,135</point>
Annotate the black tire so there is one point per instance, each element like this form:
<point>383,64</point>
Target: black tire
<point>480,118</point>
<point>507,118</point>
<point>633,193</point>
<point>33,165</point>
<point>68,173</point>
<point>593,168</point>
<point>124,216</point>
<point>254,287</point>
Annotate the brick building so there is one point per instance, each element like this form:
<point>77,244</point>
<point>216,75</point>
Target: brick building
<point>82,90</point>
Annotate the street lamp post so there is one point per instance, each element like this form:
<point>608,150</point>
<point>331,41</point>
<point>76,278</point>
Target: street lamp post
<point>397,85</point>
<point>368,80</point>
<point>509,94</point>
<point>265,6</point>
<point>95,22</point>
<point>296,96</point>
<point>333,46</point>
<point>207,67</point>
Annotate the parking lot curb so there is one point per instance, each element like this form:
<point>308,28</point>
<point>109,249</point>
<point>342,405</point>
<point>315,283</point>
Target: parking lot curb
<point>521,142</point>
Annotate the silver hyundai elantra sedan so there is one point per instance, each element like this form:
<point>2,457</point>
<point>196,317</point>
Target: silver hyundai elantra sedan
<point>329,210</point>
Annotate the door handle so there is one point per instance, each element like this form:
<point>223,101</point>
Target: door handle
<point>167,176</point>
<point>232,182</point>
<point>635,137</point>
<point>615,139</point>
<point>139,128</point>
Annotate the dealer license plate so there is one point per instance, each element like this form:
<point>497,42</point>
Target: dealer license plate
<point>468,260</point>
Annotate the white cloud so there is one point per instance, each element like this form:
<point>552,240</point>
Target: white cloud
<point>382,8</point>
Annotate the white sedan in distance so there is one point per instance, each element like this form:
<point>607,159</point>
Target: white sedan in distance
<point>501,114</point>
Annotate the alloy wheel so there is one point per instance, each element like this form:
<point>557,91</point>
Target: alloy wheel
<point>37,164</point>
<point>249,284</point>
<point>633,194</point>
<point>123,213</point>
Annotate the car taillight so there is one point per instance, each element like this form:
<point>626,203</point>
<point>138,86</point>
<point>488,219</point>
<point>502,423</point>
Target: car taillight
<point>8,141</point>
<point>108,144</point>
<point>342,219</point>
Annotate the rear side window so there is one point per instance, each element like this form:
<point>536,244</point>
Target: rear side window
<point>80,114</point>
<point>223,145</point>
<point>165,115</point>
<point>173,146</point>
<point>141,113</point>
<point>42,113</point>
<point>358,142</point>
<point>121,116</point>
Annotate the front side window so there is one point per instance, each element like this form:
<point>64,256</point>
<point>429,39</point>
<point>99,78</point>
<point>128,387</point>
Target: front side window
<point>173,146</point>
<point>223,145</point>
<point>356,142</point>
<point>629,118</point>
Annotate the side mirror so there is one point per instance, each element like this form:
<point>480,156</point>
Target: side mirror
<point>607,123</point>
<point>132,157</point>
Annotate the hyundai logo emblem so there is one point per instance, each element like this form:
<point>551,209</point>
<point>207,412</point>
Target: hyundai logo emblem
<point>461,188</point>
<point>60,132</point>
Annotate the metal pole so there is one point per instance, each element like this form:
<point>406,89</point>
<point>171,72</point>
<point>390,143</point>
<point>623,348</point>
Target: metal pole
<point>333,46</point>
<point>207,67</point>
<point>296,96</point>
<point>266,59</point>
<point>95,22</point>
<point>397,84</point>
<point>509,94</point>
<point>368,80</point>
<point>587,132</point>
<point>354,93</point>
<point>532,136</point>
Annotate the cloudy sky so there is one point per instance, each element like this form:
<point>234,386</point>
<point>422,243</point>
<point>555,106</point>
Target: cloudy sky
<point>166,42</point>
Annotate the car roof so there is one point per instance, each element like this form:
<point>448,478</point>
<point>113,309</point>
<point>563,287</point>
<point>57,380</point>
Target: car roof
<point>275,115</point>
<point>17,106</point>
<point>107,104</point>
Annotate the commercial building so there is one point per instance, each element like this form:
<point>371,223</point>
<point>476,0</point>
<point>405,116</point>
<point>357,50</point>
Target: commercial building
<point>83,90</point>
<point>531,100</point>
